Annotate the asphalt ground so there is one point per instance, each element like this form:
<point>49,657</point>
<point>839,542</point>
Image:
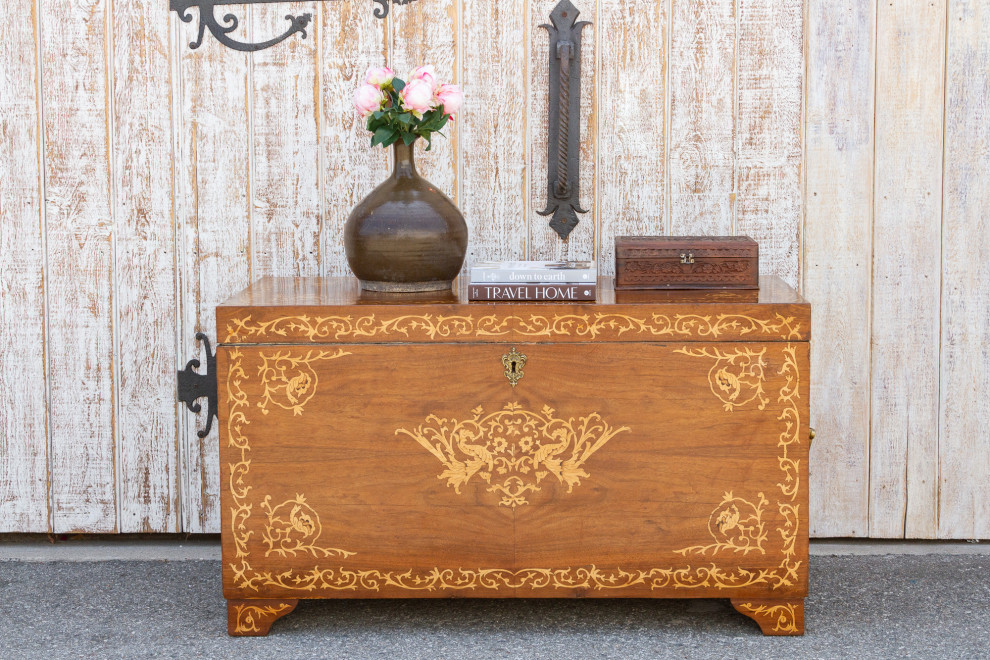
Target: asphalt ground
<point>889,606</point>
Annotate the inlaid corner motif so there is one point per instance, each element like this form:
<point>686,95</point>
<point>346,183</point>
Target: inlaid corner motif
<point>783,616</point>
<point>429,327</point>
<point>294,527</point>
<point>513,450</point>
<point>255,618</point>
<point>735,524</point>
<point>736,377</point>
<point>290,381</point>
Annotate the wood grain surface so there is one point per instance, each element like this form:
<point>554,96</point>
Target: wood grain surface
<point>632,89</point>
<point>838,259</point>
<point>702,118</point>
<point>213,207</point>
<point>906,263</point>
<point>964,456</point>
<point>80,248</point>
<point>144,268</point>
<point>23,367</point>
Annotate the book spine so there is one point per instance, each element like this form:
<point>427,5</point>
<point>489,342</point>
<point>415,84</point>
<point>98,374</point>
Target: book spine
<point>532,292</point>
<point>500,276</point>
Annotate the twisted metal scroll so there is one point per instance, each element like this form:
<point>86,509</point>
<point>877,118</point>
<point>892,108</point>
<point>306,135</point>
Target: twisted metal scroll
<point>564,150</point>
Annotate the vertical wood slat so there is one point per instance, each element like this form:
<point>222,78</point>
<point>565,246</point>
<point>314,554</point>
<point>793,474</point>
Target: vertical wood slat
<point>494,128</point>
<point>144,279</point>
<point>23,416</point>
<point>768,131</point>
<point>964,456</point>
<point>213,208</point>
<point>286,213</point>
<point>80,253</point>
<point>632,39</point>
<point>426,33</point>
<point>702,120</point>
<point>837,265</point>
<point>544,242</point>
<point>352,40</point>
<point>906,266</point>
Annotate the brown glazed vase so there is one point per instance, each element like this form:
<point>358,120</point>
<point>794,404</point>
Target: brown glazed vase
<point>406,235</point>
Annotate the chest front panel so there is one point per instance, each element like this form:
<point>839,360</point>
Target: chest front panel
<point>606,469</point>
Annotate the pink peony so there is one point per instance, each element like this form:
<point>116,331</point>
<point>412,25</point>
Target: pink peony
<point>450,97</point>
<point>367,99</point>
<point>426,73</point>
<point>417,97</point>
<point>379,76</point>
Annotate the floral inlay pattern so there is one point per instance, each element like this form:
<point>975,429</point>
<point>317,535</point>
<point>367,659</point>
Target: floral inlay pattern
<point>294,526</point>
<point>513,450</point>
<point>735,524</point>
<point>784,616</point>
<point>290,381</point>
<point>736,378</point>
<point>254,618</point>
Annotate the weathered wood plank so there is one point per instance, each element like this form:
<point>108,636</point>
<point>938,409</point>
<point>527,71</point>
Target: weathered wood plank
<point>494,128</point>
<point>24,414</point>
<point>544,242</point>
<point>426,33</point>
<point>80,264</point>
<point>632,40</point>
<point>838,260</point>
<point>145,269</point>
<point>906,266</point>
<point>964,456</point>
<point>213,207</point>
<point>769,131</point>
<point>702,117</point>
<point>352,40</point>
<point>285,181</point>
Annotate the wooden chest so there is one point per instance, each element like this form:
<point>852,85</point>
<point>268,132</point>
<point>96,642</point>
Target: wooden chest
<point>686,262</point>
<point>433,448</point>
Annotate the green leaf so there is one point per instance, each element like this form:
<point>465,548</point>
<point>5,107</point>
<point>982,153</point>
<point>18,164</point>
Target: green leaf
<point>378,114</point>
<point>429,143</point>
<point>389,142</point>
<point>408,138</point>
<point>382,135</point>
<point>398,84</point>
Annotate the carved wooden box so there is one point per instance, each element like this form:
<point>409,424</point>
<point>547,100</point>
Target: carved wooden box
<point>686,262</point>
<point>434,448</point>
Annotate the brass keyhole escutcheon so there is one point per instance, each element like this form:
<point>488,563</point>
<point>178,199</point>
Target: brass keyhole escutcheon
<point>514,361</point>
<point>687,257</point>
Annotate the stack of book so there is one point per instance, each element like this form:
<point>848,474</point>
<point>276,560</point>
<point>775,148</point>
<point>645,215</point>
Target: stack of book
<point>534,281</point>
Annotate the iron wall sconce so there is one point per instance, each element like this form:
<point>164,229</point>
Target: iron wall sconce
<point>221,29</point>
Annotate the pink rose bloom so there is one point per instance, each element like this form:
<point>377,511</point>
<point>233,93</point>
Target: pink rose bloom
<point>367,99</point>
<point>417,97</point>
<point>379,76</point>
<point>451,98</point>
<point>426,73</point>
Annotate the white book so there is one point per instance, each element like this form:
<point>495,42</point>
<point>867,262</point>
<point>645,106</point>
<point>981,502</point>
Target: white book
<point>520,272</point>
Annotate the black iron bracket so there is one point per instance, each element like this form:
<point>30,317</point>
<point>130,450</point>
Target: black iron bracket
<point>564,145</point>
<point>193,386</point>
<point>221,29</point>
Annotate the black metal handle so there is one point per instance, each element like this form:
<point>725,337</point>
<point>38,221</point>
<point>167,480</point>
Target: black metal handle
<point>193,386</point>
<point>564,145</point>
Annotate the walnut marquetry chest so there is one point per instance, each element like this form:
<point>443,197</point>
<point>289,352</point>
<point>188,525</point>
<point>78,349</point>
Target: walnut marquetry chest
<point>650,444</point>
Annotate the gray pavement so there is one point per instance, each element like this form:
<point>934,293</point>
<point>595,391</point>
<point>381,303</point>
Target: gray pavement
<point>861,606</point>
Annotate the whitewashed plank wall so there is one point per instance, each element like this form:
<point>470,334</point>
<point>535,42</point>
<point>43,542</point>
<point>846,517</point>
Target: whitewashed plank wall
<point>142,183</point>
